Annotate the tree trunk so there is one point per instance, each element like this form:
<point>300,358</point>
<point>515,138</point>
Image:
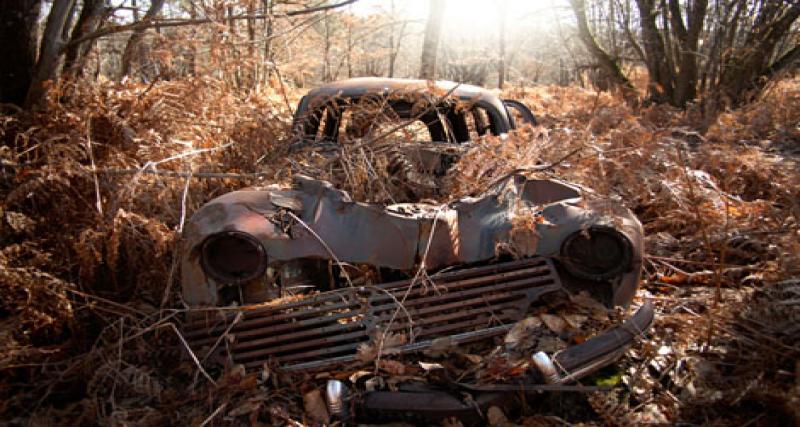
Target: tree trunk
<point>132,47</point>
<point>326,57</point>
<point>68,23</point>
<point>18,29</point>
<point>90,19</point>
<point>49,52</point>
<point>192,55</point>
<point>268,9</point>
<point>501,66</point>
<point>252,60</point>
<point>742,73</point>
<point>660,86</point>
<point>688,37</point>
<point>394,48</point>
<point>608,64</point>
<point>349,52</point>
<point>430,46</point>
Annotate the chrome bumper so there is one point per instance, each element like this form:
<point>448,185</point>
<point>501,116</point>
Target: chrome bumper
<point>565,367</point>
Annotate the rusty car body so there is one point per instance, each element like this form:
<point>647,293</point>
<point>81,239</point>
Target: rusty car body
<point>304,276</point>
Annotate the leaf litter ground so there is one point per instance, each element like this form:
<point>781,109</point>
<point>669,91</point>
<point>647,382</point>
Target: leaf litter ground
<point>96,188</point>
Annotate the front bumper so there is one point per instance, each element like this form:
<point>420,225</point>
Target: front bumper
<point>565,367</point>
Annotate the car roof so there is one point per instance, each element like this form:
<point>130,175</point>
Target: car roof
<point>359,86</point>
<point>367,85</point>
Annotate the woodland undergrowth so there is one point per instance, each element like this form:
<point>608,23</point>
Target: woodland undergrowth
<point>96,187</point>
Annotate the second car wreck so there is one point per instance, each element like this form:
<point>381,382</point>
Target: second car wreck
<point>307,280</point>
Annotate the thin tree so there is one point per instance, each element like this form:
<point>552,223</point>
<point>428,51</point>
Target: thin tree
<point>605,61</point>
<point>745,44</point>
<point>502,16</point>
<point>430,46</point>
<point>47,66</point>
<point>90,19</point>
<point>395,40</point>
<point>18,29</point>
<point>134,42</point>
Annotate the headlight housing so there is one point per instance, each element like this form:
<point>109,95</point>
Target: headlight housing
<point>233,257</point>
<point>597,253</point>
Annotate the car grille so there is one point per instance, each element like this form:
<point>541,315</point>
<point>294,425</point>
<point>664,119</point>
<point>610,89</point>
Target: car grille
<point>327,328</point>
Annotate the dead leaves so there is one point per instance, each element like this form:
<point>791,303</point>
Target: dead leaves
<point>520,334</point>
<point>19,222</point>
<point>315,407</point>
<point>591,306</point>
<point>556,324</point>
<point>583,317</point>
<point>381,343</point>
<point>745,176</point>
<point>704,277</point>
<point>112,255</point>
<point>439,347</point>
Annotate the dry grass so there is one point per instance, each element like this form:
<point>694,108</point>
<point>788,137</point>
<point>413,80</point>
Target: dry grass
<point>88,288</point>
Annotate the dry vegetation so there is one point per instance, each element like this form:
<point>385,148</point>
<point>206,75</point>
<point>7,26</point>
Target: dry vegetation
<point>95,189</point>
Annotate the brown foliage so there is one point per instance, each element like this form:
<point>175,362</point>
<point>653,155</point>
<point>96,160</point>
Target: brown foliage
<point>87,280</point>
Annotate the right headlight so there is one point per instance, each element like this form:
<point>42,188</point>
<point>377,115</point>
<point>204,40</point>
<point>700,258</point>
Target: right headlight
<point>598,253</point>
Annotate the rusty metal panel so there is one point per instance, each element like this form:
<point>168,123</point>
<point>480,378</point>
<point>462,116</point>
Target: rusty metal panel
<point>314,220</point>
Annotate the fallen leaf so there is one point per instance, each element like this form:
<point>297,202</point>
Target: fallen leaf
<point>550,344</point>
<point>265,372</point>
<point>430,366</point>
<point>554,323</point>
<point>392,367</point>
<point>575,321</point>
<point>374,383</point>
<point>251,405</point>
<point>596,309</point>
<point>474,358</point>
<point>521,331</point>
<point>497,418</point>
<point>20,222</point>
<point>315,406</point>
<point>697,278</point>
<point>385,343</point>
<point>439,347</point>
<point>357,375</point>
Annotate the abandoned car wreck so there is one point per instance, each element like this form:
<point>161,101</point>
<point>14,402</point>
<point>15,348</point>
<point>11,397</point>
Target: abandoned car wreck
<point>308,280</point>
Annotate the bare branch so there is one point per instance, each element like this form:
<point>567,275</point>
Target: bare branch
<point>144,24</point>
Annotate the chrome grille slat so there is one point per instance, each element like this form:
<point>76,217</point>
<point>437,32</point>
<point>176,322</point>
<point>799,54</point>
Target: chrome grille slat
<point>328,328</point>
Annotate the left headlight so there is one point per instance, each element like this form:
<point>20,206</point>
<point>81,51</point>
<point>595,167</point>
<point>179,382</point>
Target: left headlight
<point>233,257</point>
<point>597,253</point>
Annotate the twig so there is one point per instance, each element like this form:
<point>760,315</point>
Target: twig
<point>191,354</point>
<point>236,320</point>
<point>213,414</point>
<point>171,276</point>
<point>401,304</point>
<point>101,299</point>
<point>350,282</point>
<point>176,174</point>
<point>183,202</point>
<point>283,88</point>
<point>162,23</point>
<point>324,245</point>
<point>537,168</point>
<point>410,121</point>
<point>99,204</point>
<point>686,261</point>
